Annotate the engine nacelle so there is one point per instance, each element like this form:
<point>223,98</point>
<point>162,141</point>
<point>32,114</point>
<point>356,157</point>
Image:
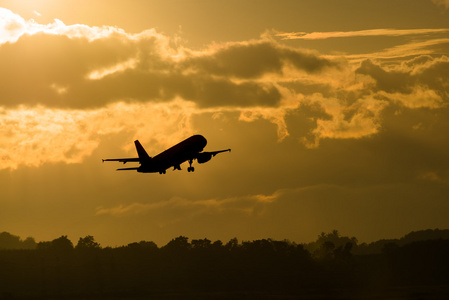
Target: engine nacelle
<point>204,157</point>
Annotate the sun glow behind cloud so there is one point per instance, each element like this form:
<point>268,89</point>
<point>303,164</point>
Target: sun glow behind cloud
<point>33,136</point>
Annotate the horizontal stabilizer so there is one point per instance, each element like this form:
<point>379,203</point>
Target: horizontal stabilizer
<point>123,160</point>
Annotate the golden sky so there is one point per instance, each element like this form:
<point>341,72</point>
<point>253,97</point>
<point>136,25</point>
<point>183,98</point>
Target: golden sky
<point>336,112</point>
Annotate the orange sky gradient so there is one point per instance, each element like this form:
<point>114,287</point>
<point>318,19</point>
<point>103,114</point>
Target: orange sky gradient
<point>336,113</point>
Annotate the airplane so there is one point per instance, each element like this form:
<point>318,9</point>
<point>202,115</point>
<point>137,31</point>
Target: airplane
<point>187,150</point>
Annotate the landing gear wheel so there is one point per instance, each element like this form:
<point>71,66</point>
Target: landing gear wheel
<point>190,169</point>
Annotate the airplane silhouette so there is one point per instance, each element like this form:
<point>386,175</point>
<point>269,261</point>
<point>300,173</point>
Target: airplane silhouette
<point>187,150</point>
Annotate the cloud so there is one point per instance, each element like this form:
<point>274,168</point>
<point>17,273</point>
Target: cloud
<point>89,71</point>
<point>38,135</point>
<point>444,3</point>
<point>244,204</point>
<point>12,26</point>
<point>75,84</point>
<point>180,210</point>
<point>357,120</point>
<point>355,109</point>
<point>359,33</point>
<point>422,78</point>
<point>404,52</point>
<point>419,97</point>
<point>77,66</point>
<point>254,59</point>
<point>285,213</point>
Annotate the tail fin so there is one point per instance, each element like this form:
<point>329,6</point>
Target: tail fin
<point>143,156</point>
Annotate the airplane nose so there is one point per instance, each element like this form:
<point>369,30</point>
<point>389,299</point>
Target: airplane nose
<point>203,141</point>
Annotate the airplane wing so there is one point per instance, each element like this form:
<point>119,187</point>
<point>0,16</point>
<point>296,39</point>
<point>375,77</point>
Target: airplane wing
<point>203,157</point>
<point>213,153</point>
<point>123,160</point>
<point>127,169</point>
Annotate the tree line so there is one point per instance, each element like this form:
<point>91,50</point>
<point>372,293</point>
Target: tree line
<point>200,268</point>
<point>332,239</point>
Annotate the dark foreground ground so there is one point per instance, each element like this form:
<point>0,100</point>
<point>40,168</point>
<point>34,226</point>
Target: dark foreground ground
<point>263,269</point>
<point>397,293</point>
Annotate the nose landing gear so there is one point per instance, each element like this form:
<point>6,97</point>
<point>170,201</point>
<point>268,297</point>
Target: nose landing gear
<point>190,169</point>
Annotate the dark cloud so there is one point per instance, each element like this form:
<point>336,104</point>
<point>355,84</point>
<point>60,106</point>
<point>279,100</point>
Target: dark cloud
<point>242,60</point>
<point>436,76</point>
<point>136,85</point>
<point>423,71</point>
<point>389,81</point>
<point>255,59</point>
<point>58,71</point>
<point>309,62</point>
<point>34,65</point>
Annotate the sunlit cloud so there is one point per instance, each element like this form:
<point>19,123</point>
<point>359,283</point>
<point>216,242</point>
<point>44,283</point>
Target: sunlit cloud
<point>359,33</point>
<point>120,67</point>
<point>347,121</point>
<point>404,51</point>
<point>38,135</point>
<point>418,98</point>
<point>250,205</point>
<point>34,136</point>
<point>12,26</point>
<point>427,74</point>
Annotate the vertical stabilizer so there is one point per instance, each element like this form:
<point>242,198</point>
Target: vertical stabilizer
<point>143,156</point>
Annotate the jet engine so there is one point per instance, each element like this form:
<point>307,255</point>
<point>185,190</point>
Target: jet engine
<point>204,157</point>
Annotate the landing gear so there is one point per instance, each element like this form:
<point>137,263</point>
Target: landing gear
<point>162,172</point>
<point>190,169</point>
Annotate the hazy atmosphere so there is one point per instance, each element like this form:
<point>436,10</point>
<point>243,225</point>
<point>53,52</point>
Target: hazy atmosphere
<point>336,112</point>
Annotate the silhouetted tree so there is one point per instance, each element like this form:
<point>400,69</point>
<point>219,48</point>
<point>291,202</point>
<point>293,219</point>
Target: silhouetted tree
<point>326,243</point>
<point>263,268</point>
<point>44,245</point>
<point>233,244</point>
<point>343,255</point>
<point>424,235</point>
<point>9,241</point>
<point>178,244</point>
<point>61,244</point>
<point>143,245</point>
<point>217,244</point>
<point>88,242</point>
<point>29,243</point>
<point>201,244</point>
<point>326,251</point>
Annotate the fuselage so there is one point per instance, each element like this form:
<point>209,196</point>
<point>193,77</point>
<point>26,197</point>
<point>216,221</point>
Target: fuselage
<point>174,156</point>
